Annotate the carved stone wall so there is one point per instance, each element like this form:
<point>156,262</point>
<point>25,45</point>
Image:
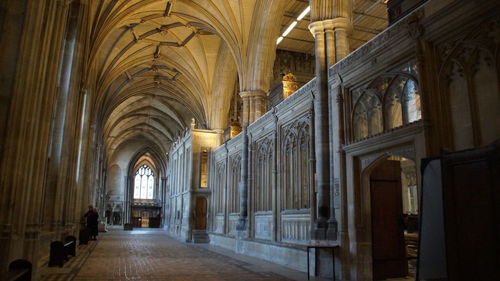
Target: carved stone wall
<point>184,183</point>
<point>469,72</point>
<point>419,87</point>
<point>280,181</point>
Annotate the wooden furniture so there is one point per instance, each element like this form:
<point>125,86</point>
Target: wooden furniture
<point>83,236</point>
<point>19,270</point>
<point>471,196</point>
<point>154,222</point>
<point>332,247</point>
<point>137,222</point>
<point>60,251</point>
<point>459,228</point>
<point>70,246</point>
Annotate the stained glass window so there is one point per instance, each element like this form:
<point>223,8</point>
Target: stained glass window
<point>144,183</point>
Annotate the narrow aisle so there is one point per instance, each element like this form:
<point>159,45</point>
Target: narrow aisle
<point>152,255</point>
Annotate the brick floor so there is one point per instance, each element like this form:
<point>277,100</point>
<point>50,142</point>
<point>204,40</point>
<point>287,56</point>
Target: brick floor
<point>152,255</point>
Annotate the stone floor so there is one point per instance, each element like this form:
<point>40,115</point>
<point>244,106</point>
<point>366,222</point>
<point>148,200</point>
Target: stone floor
<point>152,255</point>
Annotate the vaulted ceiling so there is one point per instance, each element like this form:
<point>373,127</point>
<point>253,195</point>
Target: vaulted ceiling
<point>154,65</point>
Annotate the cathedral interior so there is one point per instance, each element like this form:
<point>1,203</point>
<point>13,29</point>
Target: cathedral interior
<point>250,139</point>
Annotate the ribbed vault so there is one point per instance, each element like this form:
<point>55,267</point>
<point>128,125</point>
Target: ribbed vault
<point>155,65</point>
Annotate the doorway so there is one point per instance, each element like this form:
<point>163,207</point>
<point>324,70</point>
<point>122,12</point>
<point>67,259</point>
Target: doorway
<point>394,218</point>
<point>201,213</point>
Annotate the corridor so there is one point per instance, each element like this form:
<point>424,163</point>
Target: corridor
<point>152,255</point>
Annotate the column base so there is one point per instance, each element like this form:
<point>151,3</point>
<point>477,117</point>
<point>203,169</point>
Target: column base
<point>242,224</point>
<point>319,230</point>
<point>325,230</point>
<point>332,231</point>
<point>241,234</point>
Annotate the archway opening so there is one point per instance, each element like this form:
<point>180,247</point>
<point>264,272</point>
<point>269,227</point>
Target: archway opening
<point>394,218</point>
<point>145,204</point>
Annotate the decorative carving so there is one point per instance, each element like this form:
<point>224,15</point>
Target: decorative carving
<point>465,50</point>
<point>296,228</point>
<point>263,226</point>
<point>295,155</point>
<point>415,29</point>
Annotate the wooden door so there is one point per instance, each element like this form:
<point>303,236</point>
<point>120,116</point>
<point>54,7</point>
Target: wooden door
<point>201,213</point>
<point>388,245</point>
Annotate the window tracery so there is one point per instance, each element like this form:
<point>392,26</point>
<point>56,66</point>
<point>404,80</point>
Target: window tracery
<point>144,183</point>
<point>388,102</point>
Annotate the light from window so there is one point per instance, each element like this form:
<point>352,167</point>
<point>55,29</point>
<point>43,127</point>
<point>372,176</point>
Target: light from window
<point>144,183</point>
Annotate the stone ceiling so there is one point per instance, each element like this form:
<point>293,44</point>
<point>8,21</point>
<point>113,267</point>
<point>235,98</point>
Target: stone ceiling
<point>156,64</point>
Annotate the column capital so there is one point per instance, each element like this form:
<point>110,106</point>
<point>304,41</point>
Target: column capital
<point>330,24</point>
<point>316,27</point>
<point>253,93</point>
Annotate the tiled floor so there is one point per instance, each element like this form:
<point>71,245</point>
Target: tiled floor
<point>152,255</point>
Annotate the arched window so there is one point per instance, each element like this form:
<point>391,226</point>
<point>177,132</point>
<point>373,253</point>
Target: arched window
<point>387,103</point>
<point>144,183</point>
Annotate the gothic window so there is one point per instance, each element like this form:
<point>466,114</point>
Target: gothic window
<point>367,116</point>
<point>387,103</point>
<point>144,183</point>
<point>392,104</point>
<point>411,98</point>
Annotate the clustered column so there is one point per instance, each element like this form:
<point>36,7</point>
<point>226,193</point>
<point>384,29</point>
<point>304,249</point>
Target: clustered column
<point>254,106</point>
<point>331,45</point>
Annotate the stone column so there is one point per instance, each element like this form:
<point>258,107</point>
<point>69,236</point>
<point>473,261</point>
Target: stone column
<point>321,131</point>
<point>254,106</point>
<point>243,185</point>
<point>331,45</point>
<point>260,104</point>
<point>245,109</point>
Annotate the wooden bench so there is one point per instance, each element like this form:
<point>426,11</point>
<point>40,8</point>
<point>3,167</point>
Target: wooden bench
<point>70,246</point>
<point>83,236</point>
<point>60,251</point>
<point>19,270</point>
